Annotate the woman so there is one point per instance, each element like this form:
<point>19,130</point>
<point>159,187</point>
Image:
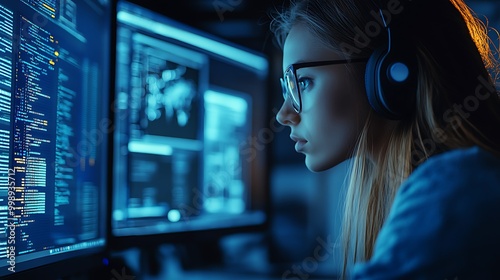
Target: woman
<point>407,90</point>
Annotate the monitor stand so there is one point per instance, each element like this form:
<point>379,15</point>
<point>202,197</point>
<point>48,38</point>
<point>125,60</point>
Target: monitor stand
<point>200,254</point>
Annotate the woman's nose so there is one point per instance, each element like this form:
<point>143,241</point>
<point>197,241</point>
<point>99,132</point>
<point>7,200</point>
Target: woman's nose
<point>287,115</point>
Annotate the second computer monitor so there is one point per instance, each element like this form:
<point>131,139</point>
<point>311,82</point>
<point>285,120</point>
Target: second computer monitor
<point>189,107</point>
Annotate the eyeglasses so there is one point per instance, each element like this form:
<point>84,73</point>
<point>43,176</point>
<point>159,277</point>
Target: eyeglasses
<point>290,84</point>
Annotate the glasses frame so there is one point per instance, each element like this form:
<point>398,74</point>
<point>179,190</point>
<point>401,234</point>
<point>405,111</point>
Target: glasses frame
<point>296,66</point>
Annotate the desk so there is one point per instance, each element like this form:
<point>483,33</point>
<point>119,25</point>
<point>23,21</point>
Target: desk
<point>253,264</point>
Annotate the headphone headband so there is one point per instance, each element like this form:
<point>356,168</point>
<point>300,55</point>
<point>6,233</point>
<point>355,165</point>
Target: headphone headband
<point>391,77</point>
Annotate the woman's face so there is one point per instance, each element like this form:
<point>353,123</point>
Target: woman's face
<point>334,106</point>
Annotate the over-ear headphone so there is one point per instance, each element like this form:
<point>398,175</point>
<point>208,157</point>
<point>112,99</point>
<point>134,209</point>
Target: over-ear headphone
<point>390,78</point>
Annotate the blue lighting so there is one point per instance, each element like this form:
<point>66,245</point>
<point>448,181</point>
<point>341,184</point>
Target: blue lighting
<point>150,148</point>
<point>174,215</point>
<point>241,56</point>
<point>235,103</point>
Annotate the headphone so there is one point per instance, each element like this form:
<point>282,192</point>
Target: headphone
<point>391,78</point>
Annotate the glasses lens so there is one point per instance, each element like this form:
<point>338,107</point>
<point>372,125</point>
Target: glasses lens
<point>291,85</point>
<point>284,88</point>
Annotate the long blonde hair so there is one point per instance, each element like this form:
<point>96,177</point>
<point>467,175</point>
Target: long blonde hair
<point>456,65</point>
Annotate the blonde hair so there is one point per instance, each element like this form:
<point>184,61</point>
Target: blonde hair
<point>433,129</point>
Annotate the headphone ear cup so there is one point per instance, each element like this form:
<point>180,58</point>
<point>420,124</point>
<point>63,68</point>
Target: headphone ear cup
<point>390,81</point>
<point>372,81</point>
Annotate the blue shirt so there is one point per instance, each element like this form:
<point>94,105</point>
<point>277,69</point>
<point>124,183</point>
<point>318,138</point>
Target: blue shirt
<point>444,223</point>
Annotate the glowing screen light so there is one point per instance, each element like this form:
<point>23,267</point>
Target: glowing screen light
<point>241,56</point>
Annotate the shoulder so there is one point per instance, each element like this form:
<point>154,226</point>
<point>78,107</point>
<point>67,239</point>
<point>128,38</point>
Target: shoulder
<point>456,170</point>
<point>463,184</point>
<point>472,154</point>
<point>443,221</point>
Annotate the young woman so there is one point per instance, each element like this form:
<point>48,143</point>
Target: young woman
<point>406,89</point>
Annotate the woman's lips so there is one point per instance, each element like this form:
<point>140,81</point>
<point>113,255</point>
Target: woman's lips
<point>299,143</point>
<point>299,146</point>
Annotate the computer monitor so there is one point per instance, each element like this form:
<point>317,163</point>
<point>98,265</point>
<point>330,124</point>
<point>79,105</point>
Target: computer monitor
<point>190,138</point>
<point>54,123</point>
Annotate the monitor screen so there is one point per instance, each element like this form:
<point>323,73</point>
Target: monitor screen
<point>54,87</point>
<point>186,113</point>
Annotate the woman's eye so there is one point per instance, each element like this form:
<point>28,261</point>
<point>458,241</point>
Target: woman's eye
<point>304,83</point>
